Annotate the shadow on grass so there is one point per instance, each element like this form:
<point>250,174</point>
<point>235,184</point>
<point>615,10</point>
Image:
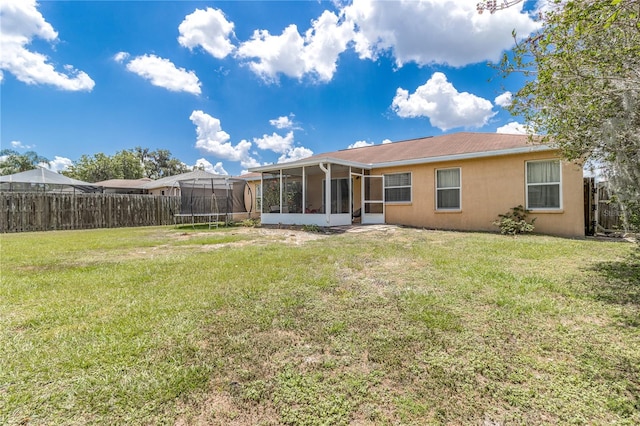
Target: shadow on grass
<point>620,285</point>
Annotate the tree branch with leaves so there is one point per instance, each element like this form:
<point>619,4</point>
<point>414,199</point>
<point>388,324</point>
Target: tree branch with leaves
<point>583,91</point>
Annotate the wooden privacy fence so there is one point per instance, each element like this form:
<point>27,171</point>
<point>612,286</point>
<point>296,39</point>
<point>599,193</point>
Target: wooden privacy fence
<point>610,217</point>
<point>22,211</point>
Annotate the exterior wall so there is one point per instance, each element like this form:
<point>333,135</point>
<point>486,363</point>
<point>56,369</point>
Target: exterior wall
<point>250,202</point>
<point>173,191</point>
<point>490,186</point>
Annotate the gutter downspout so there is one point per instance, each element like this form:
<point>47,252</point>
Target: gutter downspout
<point>327,191</point>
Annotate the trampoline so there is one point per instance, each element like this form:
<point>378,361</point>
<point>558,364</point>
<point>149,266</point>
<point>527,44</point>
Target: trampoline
<point>213,200</point>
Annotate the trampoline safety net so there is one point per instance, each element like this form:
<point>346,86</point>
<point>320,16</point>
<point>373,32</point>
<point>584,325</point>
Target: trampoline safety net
<point>214,197</point>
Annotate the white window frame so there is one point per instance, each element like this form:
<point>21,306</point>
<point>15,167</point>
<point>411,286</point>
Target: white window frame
<point>527,185</point>
<point>410,186</point>
<point>258,196</point>
<point>459,188</point>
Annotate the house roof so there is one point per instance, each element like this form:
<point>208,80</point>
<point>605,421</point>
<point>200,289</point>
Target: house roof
<point>423,150</point>
<point>124,183</point>
<point>250,176</point>
<point>171,181</point>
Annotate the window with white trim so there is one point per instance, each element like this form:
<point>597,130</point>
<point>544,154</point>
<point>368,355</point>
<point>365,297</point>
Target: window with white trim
<point>448,189</point>
<point>397,188</point>
<point>543,184</point>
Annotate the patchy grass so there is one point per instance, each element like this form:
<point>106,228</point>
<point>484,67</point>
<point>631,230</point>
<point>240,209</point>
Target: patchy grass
<point>259,326</point>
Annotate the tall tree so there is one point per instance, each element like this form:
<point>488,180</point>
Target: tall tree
<point>584,94</point>
<point>160,163</point>
<point>128,164</point>
<point>123,165</point>
<point>13,162</point>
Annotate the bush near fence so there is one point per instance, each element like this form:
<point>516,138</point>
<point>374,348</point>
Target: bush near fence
<point>22,212</point>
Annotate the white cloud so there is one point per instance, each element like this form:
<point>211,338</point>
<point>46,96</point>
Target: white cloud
<point>275,142</point>
<point>327,38</point>
<point>276,54</point>
<point>209,29</point>
<point>359,144</point>
<point>315,54</point>
<point>21,23</point>
<point>249,162</point>
<point>284,122</point>
<point>387,141</point>
<point>121,57</point>
<point>514,128</point>
<point>20,145</point>
<point>434,31</point>
<point>163,73</point>
<point>58,164</point>
<point>215,141</point>
<point>504,100</point>
<point>208,167</point>
<point>294,154</point>
<point>443,104</point>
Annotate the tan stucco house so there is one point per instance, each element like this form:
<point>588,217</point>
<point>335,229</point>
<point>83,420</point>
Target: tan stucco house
<point>459,181</point>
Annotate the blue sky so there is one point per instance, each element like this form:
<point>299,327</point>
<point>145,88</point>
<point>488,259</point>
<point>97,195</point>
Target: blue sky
<point>234,85</point>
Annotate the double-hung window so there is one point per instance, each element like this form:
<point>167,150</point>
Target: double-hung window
<point>543,184</point>
<point>397,188</point>
<point>448,189</point>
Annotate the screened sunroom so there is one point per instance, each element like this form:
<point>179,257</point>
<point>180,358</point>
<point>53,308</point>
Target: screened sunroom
<point>323,193</point>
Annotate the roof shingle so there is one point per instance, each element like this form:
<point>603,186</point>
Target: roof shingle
<point>430,147</point>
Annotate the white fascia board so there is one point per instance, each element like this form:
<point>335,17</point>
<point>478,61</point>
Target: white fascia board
<point>306,163</point>
<point>412,161</point>
<point>465,156</point>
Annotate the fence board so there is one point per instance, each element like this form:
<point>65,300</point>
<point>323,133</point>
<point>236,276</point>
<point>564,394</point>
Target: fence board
<point>28,211</point>
<point>610,217</point>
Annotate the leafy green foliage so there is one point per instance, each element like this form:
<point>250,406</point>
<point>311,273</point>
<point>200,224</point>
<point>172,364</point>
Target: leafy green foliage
<point>583,94</point>
<point>12,161</point>
<point>515,222</point>
<point>159,163</point>
<point>311,228</point>
<point>127,164</point>
<point>250,223</point>
<point>98,167</point>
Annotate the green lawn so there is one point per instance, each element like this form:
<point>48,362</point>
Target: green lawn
<point>259,326</point>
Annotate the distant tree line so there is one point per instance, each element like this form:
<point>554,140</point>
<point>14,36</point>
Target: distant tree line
<point>134,163</point>
<point>12,161</point>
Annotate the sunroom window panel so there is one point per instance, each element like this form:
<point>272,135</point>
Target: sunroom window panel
<point>270,193</point>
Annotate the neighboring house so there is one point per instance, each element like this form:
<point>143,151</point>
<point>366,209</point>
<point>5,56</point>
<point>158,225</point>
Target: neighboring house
<point>253,191</point>
<point>170,185</point>
<point>124,186</point>
<point>459,181</point>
